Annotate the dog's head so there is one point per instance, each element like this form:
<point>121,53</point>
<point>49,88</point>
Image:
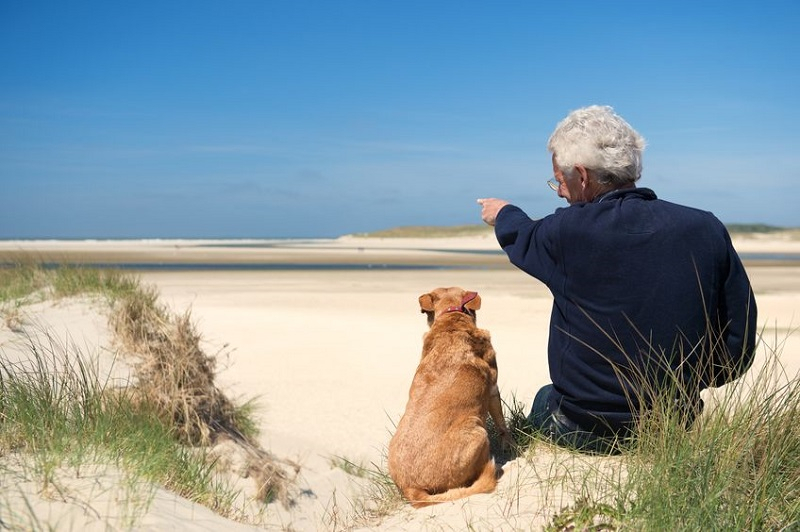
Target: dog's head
<point>442,301</point>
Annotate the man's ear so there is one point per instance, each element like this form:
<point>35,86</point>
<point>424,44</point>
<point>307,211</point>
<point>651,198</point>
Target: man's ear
<point>474,302</point>
<point>426,303</point>
<point>583,174</point>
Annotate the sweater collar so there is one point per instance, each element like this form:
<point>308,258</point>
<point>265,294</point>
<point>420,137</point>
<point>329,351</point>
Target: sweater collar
<point>644,193</point>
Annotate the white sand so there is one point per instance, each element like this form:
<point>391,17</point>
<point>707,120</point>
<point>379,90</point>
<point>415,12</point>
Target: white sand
<point>331,354</point>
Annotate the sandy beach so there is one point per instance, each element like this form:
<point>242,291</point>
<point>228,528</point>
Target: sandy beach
<point>327,335</point>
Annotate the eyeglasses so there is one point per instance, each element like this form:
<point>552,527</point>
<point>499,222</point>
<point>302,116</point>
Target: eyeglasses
<point>553,184</point>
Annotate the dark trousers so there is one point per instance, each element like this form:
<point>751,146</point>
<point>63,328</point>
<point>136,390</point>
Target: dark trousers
<point>553,425</point>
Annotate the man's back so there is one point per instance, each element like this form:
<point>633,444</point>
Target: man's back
<point>639,284</point>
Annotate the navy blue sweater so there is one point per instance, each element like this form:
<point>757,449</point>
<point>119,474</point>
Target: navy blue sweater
<point>641,287</point>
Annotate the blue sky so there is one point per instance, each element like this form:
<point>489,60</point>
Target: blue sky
<point>320,118</point>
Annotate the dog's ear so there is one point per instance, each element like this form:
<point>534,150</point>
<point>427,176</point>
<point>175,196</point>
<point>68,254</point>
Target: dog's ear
<point>473,301</point>
<point>426,303</point>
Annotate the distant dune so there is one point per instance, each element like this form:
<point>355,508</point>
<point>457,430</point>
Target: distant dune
<point>448,231</point>
<point>428,231</point>
<point>762,228</point>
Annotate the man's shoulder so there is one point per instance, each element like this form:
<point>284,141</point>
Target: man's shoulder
<point>687,213</point>
<point>637,213</point>
<point>678,210</point>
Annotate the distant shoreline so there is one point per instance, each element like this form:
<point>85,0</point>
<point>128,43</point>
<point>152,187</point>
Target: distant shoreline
<point>343,253</point>
<point>738,230</point>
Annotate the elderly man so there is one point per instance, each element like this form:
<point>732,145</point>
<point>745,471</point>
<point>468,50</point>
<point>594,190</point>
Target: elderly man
<point>651,301</point>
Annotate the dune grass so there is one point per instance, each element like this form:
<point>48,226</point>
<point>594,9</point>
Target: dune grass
<point>737,468</point>
<point>29,281</point>
<point>56,411</point>
<point>380,497</point>
<point>57,415</point>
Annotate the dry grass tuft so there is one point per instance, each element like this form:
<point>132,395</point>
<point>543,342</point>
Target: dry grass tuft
<point>173,372</point>
<point>177,377</point>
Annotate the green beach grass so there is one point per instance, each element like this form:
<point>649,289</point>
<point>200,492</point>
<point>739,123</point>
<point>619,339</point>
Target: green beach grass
<point>57,412</point>
<point>737,468</point>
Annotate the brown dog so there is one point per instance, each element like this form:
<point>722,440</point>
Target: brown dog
<point>440,450</point>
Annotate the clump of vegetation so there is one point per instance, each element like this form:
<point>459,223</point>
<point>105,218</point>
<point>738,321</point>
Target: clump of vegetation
<point>430,231</point>
<point>586,515</point>
<point>753,228</point>
<point>27,281</point>
<point>379,499</point>
<point>519,427</point>
<point>55,412</point>
<point>177,378</point>
<point>173,372</point>
<point>20,280</point>
<point>54,408</point>
<point>736,468</point>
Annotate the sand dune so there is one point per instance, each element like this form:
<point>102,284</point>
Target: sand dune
<point>330,355</point>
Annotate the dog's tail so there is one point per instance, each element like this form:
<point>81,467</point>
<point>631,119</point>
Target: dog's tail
<point>485,483</point>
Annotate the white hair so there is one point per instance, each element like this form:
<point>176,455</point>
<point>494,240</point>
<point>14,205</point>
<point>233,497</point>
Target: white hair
<point>601,141</point>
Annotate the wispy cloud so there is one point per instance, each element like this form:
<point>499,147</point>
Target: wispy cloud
<point>374,146</point>
<point>239,149</point>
